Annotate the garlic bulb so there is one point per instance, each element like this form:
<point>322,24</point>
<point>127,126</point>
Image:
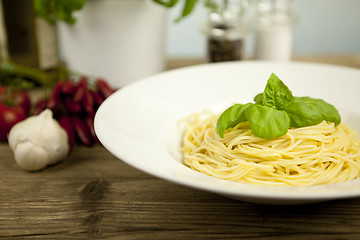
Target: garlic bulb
<point>38,141</point>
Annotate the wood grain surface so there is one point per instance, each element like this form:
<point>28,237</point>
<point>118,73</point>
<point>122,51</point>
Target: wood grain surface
<point>93,195</point>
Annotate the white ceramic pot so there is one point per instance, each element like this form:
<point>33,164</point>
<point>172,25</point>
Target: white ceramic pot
<point>119,40</point>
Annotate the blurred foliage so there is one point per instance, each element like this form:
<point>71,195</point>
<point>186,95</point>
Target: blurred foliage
<point>53,10</point>
<point>63,10</point>
<point>188,6</point>
<point>28,77</point>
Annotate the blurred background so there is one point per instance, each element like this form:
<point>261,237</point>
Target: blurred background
<point>323,27</point>
<point>126,40</point>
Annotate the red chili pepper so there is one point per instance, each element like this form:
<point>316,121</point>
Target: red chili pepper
<point>71,105</point>
<point>68,126</point>
<point>89,120</point>
<point>80,89</point>
<point>104,87</point>
<point>55,96</point>
<point>97,97</point>
<point>88,101</point>
<point>68,87</point>
<point>82,131</point>
<point>40,106</point>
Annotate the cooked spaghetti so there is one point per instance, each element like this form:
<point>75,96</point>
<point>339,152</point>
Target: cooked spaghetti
<point>313,155</point>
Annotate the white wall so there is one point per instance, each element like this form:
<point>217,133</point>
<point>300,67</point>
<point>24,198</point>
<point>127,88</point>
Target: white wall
<point>324,27</point>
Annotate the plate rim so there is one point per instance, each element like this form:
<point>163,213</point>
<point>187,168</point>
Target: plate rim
<point>248,194</point>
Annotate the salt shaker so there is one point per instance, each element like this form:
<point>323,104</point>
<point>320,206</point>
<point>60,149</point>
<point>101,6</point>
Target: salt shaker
<point>225,30</point>
<point>274,30</point>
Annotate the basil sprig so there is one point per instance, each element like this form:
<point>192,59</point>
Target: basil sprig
<point>276,110</point>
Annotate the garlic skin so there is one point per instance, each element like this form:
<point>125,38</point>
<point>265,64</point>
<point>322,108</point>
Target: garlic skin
<point>38,141</point>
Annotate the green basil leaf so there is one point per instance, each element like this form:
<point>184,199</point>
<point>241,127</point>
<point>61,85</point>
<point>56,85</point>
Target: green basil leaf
<point>327,111</point>
<point>276,93</point>
<point>275,110</point>
<point>231,117</point>
<point>267,122</point>
<point>259,99</point>
<point>302,114</point>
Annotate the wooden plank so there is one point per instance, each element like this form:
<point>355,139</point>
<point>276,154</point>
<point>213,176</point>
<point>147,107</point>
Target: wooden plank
<point>94,195</point>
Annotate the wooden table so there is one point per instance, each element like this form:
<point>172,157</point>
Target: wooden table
<point>93,195</point>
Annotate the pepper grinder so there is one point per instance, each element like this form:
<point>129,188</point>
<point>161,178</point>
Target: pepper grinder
<point>274,30</point>
<point>225,30</point>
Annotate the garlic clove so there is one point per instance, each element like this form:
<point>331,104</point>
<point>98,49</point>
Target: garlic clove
<point>31,157</point>
<point>42,137</point>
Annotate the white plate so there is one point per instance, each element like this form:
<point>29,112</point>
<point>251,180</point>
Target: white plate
<point>139,123</point>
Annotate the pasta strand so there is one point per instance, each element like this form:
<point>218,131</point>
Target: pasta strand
<point>313,155</point>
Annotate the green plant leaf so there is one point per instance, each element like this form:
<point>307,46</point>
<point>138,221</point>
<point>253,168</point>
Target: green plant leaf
<point>276,93</point>
<point>267,122</point>
<point>168,4</point>
<point>62,11</point>
<point>187,9</point>
<point>231,117</point>
<point>327,111</point>
<point>53,10</point>
<point>302,114</point>
<point>259,99</point>
<point>41,9</point>
<point>275,110</point>
<point>74,5</point>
